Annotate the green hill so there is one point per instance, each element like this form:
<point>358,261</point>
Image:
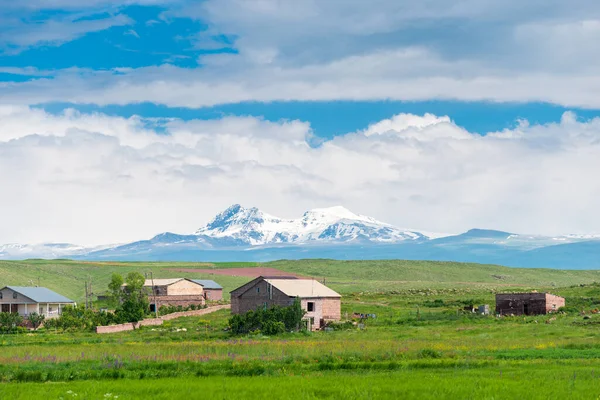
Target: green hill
<point>68,277</point>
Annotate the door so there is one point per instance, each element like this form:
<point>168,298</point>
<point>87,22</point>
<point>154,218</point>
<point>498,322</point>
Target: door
<point>526,309</point>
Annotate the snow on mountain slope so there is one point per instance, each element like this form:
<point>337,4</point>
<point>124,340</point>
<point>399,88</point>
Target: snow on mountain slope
<point>255,227</point>
<point>45,250</point>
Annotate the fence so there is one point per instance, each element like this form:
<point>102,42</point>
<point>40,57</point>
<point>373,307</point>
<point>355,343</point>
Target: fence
<point>157,321</point>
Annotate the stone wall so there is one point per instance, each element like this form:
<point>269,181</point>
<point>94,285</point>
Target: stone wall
<point>332,309</point>
<point>554,302</point>
<point>257,296</point>
<point>183,300</point>
<point>194,313</point>
<point>213,294</point>
<point>158,321</point>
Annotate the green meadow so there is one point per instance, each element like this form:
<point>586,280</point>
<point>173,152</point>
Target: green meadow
<point>421,345</point>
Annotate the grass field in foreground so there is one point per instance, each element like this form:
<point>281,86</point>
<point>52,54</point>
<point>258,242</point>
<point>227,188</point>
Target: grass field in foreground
<point>422,345</point>
<point>531,382</point>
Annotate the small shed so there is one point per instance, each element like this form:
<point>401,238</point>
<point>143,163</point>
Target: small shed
<point>533,303</point>
<point>212,290</point>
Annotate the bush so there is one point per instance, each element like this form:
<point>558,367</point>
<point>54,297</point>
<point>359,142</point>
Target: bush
<point>273,327</point>
<point>271,321</point>
<point>9,322</point>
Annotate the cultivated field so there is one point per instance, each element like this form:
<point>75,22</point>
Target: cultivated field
<point>421,345</point>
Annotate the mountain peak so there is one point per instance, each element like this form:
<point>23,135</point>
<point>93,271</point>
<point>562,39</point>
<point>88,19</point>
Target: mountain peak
<point>336,223</point>
<point>338,211</point>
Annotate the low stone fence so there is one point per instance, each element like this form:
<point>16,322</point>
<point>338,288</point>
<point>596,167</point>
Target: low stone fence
<point>158,321</point>
<point>194,313</point>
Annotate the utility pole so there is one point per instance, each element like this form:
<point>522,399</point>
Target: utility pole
<point>153,293</point>
<point>86,295</point>
<point>91,295</point>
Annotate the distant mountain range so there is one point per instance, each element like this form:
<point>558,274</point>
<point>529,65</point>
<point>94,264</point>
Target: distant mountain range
<point>248,234</point>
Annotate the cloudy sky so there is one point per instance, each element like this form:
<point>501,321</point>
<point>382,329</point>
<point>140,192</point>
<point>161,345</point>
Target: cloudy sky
<point>120,119</point>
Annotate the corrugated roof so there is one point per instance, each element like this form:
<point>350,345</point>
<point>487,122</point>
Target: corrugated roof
<point>208,284</point>
<point>302,288</point>
<point>40,294</point>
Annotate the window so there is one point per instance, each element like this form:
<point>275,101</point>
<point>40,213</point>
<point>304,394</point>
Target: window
<point>310,306</point>
<point>0,295</point>
<point>270,291</point>
<point>15,295</point>
<point>257,290</point>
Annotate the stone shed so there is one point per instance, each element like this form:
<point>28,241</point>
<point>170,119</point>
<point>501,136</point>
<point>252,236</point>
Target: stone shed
<point>527,303</point>
<point>320,302</point>
<point>212,290</point>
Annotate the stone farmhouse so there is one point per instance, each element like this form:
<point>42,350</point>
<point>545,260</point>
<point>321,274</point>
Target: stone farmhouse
<point>527,303</point>
<point>28,300</point>
<point>212,290</point>
<point>173,292</point>
<point>320,302</point>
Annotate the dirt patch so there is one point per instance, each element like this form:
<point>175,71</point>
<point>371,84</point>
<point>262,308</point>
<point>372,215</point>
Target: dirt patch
<point>252,272</point>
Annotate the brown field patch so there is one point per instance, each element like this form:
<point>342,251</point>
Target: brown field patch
<point>251,272</point>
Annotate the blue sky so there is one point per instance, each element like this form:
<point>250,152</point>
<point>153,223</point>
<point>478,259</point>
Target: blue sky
<point>204,97</point>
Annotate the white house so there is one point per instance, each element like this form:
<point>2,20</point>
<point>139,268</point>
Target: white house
<point>27,300</point>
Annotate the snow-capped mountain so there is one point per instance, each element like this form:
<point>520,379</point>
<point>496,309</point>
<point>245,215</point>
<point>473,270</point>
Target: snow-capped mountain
<point>45,250</point>
<point>248,234</point>
<point>334,224</point>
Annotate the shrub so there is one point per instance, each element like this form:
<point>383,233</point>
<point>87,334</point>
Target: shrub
<point>36,319</point>
<point>271,321</point>
<point>9,322</point>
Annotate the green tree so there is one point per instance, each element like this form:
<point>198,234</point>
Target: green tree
<point>36,319</point>
<point>115,289</point>
<point>135,304</point>
<point>9,322</point>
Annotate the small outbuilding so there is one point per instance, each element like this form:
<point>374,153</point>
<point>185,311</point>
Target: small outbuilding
<point>212,290</point>
<point>320,302</point>
<point>527,303</point>
<point>24,300</point>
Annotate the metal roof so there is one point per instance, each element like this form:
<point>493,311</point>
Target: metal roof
<point>208,284</point>
<point>40,294</point>
<point>302,288</point>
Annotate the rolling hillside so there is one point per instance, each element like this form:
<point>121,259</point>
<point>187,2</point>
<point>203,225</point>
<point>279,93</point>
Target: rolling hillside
<point>67,277</point>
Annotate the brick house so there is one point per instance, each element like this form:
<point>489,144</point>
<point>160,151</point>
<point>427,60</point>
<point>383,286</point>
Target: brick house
<point>212,290</point>
<point>527,303</point>
<point>320,302</point>
<point>27,300</point>
<point>173,292</point>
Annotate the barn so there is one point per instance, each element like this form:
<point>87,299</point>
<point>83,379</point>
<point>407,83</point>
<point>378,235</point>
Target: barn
<point>533,303</point>
<point>320,302</point>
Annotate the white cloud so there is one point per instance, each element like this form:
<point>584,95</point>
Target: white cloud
<point>16,35</point>
<point>472,50</point>
<point>92,178</point>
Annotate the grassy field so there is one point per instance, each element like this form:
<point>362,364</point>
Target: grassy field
<point>421,345</point>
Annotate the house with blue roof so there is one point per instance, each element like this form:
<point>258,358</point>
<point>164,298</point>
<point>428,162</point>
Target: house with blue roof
<point>27,300</point>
